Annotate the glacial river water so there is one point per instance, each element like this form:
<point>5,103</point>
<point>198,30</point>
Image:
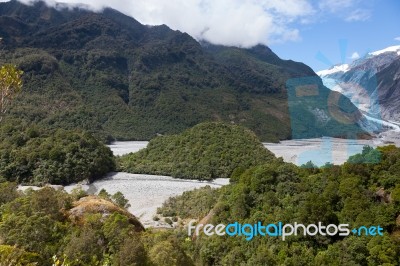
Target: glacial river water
<point>147,192</point>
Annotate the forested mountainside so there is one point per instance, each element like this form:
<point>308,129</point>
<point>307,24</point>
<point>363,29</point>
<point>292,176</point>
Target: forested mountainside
<point>108,74</point>
<point>364,191</point>
<point>372,82</point>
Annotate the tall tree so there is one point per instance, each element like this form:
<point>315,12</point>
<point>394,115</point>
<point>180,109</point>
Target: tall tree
<point>10,86</point>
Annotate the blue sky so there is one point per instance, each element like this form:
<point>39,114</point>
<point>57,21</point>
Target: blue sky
<point>337,39</point>
<point>294,29</point>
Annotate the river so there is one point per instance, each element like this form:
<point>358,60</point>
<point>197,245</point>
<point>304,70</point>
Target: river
<point>147,192</point>
<point>298,151</point>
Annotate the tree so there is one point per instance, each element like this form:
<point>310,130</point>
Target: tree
<point>131,252</point>
<point>8,192</point>
<point>10,86</point>
<point>11,255</point>
<point>104,194</point>
<point>119,199</point>
<point>168,253</point>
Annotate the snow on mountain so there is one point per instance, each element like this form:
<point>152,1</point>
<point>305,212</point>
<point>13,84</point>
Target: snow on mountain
<point>372,83</point>
<point>335,69</point>
<point>386,50</point>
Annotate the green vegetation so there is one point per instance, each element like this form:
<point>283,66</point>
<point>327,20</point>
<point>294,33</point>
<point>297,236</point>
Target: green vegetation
<point>355,193</point>
<point>195,203</point>
<point>11,255</point>
<point>10,86</point>
<point>108,74</point>
<point>118,198</point>
<point>34,232</point>
<point>76,229</point>
<point>32,155</point>
<point>206,151</point>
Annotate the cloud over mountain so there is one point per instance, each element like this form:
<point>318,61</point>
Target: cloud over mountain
<point>242,23</point>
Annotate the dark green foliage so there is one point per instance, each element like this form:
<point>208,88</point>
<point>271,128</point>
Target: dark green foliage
<point>104,194</point>
<point>34,231</point>
<point>378,167</point>
<point>196,203</point>
<point>11,255</point>
<point>131,252</point>
<point>32,155</point>
<point>8,192</point>
<point>166,248</point>
<point>33,224</point>
<point>206,151</point>
<point>368,155</point>
<point>357,194</point>
<point>78,193</point>
<point>85,246</point>
<point>108,74</point>
<point>119,199</point>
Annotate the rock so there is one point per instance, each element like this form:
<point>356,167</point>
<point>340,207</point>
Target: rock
<point>383,195</point>
<point>94,204</point>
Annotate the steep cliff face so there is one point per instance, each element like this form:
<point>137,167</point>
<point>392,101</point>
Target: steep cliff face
<point>372,83</point>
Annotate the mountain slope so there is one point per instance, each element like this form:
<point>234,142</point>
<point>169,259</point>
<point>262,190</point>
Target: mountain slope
<point>372,82</point>
<point>107,73</point>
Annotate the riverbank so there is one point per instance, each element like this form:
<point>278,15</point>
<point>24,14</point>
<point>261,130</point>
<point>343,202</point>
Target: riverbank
<point>146,192</point>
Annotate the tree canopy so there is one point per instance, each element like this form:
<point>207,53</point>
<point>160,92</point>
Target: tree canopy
<point>207,151</point>
<point>31,155</point>
<point>362,192</point>
<point>10,86</point>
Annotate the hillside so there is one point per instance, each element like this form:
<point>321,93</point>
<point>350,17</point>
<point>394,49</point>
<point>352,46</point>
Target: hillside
<point>206,151</point>
<point>372,81</point>
<point>364,191</point>
<point>69,231</point>
<point>109,74</point>
<point>32,155</point>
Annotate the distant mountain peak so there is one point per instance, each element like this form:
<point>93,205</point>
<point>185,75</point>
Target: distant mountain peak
<point>370,82</point>
<point>335,69</point>
<point>390,49</point>
<point>387,55</point>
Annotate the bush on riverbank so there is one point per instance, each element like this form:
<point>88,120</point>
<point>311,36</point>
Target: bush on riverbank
<point>206,151</point>
<point>30,155</point>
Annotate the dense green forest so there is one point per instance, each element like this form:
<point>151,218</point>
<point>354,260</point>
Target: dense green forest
<point>110,75</point>
<point>77,230</point>
<point>206,151</point>
<point>363,191</point>
<point>96,77</point>
<point>93,230</point>
<point>32,155</point>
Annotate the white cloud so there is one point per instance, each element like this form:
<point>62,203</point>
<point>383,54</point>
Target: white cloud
<point>348,10</point>
<point>230,22</point>
<point>334,6</point>
<point>355,56</point>
<point>397,39</point>
<point>359,15</point>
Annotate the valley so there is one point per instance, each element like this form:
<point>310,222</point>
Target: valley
<point>147,192</point>
<point>116,135</point>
